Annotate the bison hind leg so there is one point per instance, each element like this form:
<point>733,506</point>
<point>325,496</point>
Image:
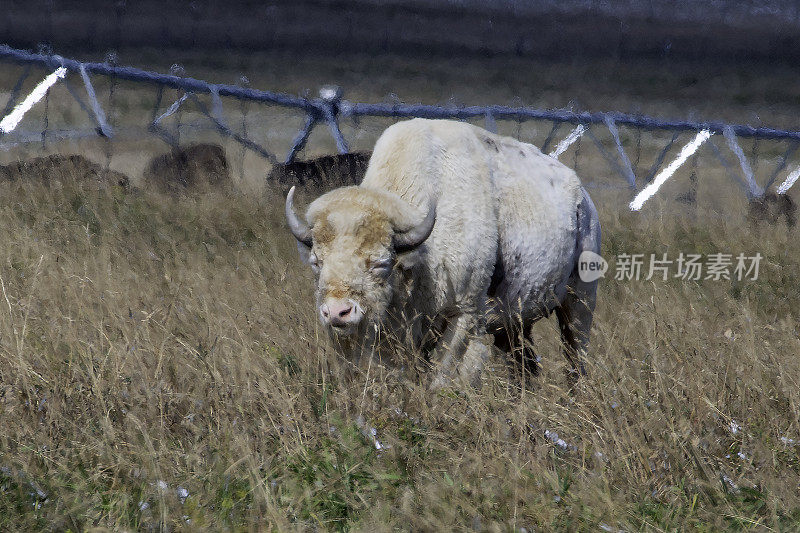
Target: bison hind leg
<point>575,311</point>
<point>520,347</point>
<point>575,321</point>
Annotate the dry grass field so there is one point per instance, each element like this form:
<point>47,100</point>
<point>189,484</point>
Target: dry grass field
<point>161,368</point>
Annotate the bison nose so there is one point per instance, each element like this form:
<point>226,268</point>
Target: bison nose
<point>340,313</point>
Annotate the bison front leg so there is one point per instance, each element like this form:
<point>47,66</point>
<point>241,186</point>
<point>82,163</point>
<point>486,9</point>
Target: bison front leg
<point>462,353</point>
<point>475,357</point>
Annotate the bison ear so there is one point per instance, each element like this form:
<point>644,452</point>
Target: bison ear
<point>304,251</point>
<point>408,260</point>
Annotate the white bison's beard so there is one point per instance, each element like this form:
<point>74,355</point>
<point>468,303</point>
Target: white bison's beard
<point>359,342</point>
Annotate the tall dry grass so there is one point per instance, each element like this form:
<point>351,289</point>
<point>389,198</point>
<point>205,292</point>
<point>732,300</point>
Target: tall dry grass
<point>161,368</point>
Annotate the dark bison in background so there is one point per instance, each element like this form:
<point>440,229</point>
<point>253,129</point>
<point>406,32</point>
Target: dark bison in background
<point>189,167</point>
<point>326,172</point>
<point>771,208</point>
<point>63,168</point>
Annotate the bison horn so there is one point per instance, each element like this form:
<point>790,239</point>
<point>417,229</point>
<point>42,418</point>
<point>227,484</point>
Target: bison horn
<point>408,240</point>
<point>300,229</point>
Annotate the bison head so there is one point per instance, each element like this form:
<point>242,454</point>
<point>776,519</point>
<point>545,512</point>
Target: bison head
<point>354,240</point>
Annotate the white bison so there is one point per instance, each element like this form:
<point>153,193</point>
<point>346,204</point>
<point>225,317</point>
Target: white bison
<point>454,234</point>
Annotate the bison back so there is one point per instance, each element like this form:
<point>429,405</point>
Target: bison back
<point>193,166</point>
<point>321,173</point>
<point>64,169</point>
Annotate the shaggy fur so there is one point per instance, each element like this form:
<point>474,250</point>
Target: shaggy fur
<point>63,168</point>
<point>510,224</point>
<point>771,208</point>
<point>188,167</point>
<point>321,173</point>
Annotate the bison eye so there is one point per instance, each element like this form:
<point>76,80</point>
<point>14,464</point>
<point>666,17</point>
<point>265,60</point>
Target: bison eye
<point>315,263</point>
<point>382,267</point>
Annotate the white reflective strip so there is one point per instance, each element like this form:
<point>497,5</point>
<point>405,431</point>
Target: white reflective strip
<point>648,192</point>
<point>174,107</point>
<point>567,142</point>
<point>786,185</point>
<point>10,121</point>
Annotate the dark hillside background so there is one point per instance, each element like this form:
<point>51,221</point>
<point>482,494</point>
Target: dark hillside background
<point>719,30</point>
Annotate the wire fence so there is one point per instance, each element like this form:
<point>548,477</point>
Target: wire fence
<point>330,108</point>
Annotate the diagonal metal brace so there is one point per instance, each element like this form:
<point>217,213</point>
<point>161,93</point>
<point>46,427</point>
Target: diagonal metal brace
<point>301,138</point>
<point>223,129</point>
<point>157,104</point>
<point>727,166</point>
<point>12,99</point>
<point>159,131</point>
<point>99,114</point>
<point>42,90</point>
<point>608,157</point>
<point>172,109</point>
<point>550,136</point>
<point>216,106</point>
<point>782,164</point>
<point>626,163</point>
<point>573,137</point>
<point>75,96</point>
<point>333,124</point>
<point>754,191</point>
<point>660,159</point>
